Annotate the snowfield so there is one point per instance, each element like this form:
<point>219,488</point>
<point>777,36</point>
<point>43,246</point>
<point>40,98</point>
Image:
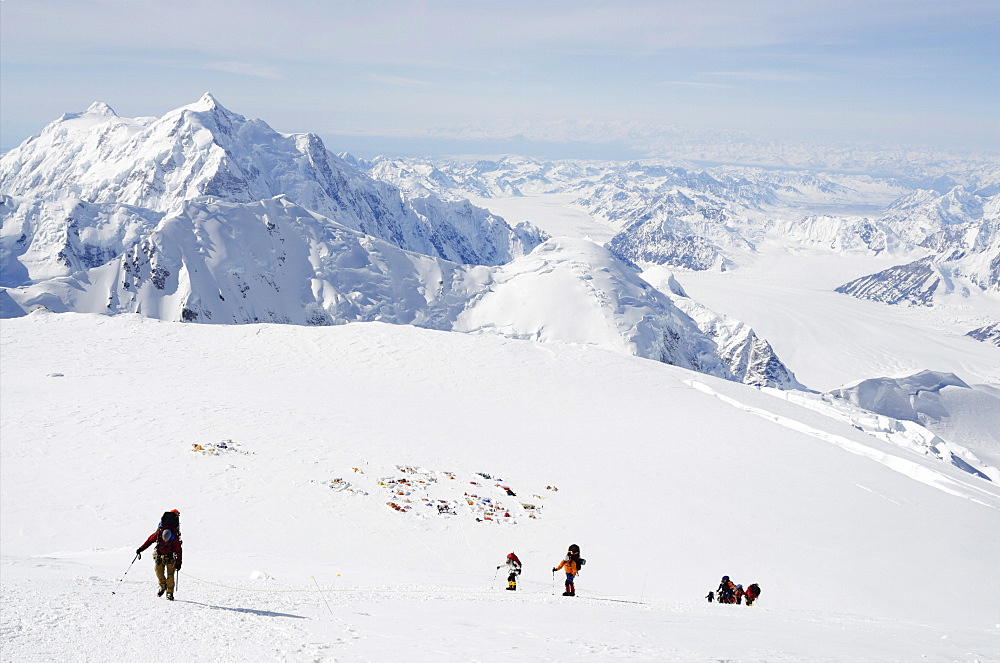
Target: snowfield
<point>398,388</point>
<point>667,479</point>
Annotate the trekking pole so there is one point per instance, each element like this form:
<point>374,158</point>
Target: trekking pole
<point>127,570</point>
<point>324,596</point>
<point>553,583</point>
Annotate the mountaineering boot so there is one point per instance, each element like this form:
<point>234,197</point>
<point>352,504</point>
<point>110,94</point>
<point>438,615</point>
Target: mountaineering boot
<point>162,590</point>
<point>170,597</point>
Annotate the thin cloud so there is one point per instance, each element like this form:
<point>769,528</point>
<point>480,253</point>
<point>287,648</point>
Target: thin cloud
<point>246,69</point>
<point>764,75</point>
<point>399,81</point>
<point>697,84</point>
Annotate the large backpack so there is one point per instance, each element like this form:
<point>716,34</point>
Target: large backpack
<point>171,520</point>
<point>575,550</point>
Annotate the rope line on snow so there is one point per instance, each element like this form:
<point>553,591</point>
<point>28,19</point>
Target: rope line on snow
<point>349,589</point>
<point>543,589</point>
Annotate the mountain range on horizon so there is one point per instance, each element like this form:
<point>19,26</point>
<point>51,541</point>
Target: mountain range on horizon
<point>710,218</point>
<point>205,216</point>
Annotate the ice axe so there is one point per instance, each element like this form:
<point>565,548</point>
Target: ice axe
<point>127,570</point>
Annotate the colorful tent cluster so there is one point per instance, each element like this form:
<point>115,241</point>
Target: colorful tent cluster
<point>217,448</point>
<point>428,493</point>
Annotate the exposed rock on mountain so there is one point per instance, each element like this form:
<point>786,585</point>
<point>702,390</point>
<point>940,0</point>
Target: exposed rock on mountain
<point>43,239</point>
<point>913,283</point>
<point>988,333</point>
<point>659,246</point>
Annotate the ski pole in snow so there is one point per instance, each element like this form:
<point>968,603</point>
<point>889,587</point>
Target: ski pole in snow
<point>323,595</point>
<point>127,570</point>
<point>553,582</point>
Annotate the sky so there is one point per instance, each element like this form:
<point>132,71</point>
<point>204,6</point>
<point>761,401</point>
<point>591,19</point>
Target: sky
<point>456,75</point>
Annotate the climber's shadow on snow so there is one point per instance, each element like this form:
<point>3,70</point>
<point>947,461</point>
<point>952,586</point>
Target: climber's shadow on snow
<point>261,613</point>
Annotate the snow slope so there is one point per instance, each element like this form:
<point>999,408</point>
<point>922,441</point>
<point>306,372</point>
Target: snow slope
<point>830,339</point>
<point>667,479</point>
<point>275,261</point>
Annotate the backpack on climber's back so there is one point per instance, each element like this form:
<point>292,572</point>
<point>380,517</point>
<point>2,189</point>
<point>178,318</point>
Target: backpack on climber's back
<point>170,525</point>
<point>574,551</point>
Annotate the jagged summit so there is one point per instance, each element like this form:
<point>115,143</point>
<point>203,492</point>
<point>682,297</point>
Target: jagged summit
<point>211,114</point>
<point>207,102</point>
<point>101,108</point>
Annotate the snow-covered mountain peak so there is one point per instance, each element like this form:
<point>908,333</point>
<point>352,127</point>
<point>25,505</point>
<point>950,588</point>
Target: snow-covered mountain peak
<point>88,129</point>
<point>203,149</point>
<point>100,108</point>
<point>575,291</point>
<point>227,127</point>
<point>207,102</point>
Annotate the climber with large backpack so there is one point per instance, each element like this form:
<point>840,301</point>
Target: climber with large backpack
<point>167,554</point>
<point>751,593</point>
<point>726,591</point>
<point>572,563</point>
<point>513,571</point>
